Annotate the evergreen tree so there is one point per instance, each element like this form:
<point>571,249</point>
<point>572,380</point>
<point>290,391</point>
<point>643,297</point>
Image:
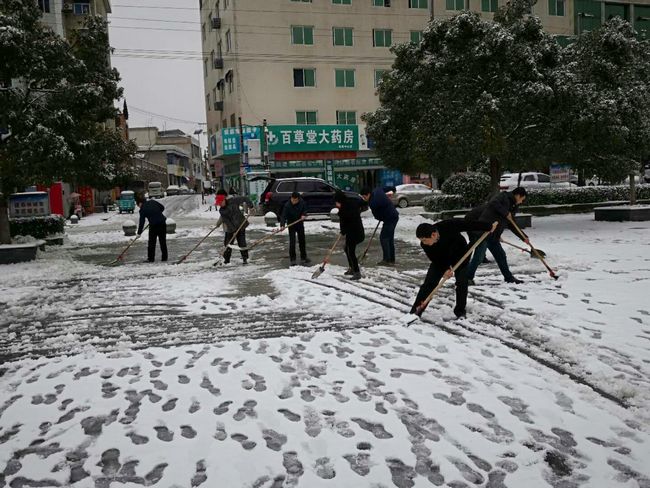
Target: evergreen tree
<point>57,102</point>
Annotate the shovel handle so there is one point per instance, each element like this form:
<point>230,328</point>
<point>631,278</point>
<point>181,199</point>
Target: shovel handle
<point>277,231</point>
<point>331,250</point>
<point>119,258</point>
<point>197,245</point>
<point>369,242</point>
<point>235,235</point>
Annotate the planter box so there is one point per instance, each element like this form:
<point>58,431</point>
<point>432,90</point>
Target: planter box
<point>19,253</point>
<point>623,213</point>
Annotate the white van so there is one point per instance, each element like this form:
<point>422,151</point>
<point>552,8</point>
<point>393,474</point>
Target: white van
<point>155,189</point>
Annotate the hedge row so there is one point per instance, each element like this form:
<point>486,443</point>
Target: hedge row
<point>39,227</point>
<point>558,196</point>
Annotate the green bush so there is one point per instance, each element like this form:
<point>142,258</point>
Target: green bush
<point>39,227</point>
<point>473,187</point>
<point>556,196</point>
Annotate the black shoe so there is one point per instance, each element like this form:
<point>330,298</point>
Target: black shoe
<point>471,283</point>
<point>245,261</point>
<point>460,314</point>
<point>305,261</point>
<point>293,262</point>
<point>514,280</point>
<point>349,272</point>
<point>226,261</point>
<point>486,261</point>
<point>356,276</point>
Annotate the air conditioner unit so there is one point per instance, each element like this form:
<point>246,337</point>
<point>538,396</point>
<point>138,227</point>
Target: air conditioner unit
<point>218,106</point>
<point>218,63</point>
<point>67,7</point>
<point>216,22</point>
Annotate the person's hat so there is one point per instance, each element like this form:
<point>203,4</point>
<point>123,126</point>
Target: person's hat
<point>219,199</point>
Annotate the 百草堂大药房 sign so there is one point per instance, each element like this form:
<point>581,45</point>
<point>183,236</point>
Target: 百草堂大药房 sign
<point>301,138</point>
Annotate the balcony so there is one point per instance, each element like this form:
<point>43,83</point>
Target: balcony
<point>216,22</point>
<point>218,63</point>
<point>218,106</point>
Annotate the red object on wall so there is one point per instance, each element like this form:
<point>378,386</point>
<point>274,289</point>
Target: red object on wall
<point>56,197</point>
<point>87,199</point>
<point>310,156</point>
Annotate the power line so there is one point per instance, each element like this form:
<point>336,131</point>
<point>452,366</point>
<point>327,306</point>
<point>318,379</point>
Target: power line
<point>234,56</point>
<point>166,117</point>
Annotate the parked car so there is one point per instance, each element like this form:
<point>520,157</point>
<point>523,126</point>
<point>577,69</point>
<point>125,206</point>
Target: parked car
<point>411,194</point>
<point>529,180</point>
<point>317,193</point>
<point>173,190</point>
<point>126,202</point>
<point>184,190</point>
<point>646,173</point>
<point>155,189</point>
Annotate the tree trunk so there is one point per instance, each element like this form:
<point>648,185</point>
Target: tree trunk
<point>495,174</point>
<point>632,189</point>
<point>5,236</point>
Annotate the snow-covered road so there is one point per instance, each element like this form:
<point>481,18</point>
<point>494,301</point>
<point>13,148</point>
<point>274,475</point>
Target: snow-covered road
<point>302,382</point>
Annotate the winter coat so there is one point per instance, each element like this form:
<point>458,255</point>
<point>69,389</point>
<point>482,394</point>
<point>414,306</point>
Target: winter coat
<point>153,212</point>
<point>382,208</point>
<point>496,210</point>
<point>231,217</point>
<point>350,220</point>
<point>291,212</point>
<point>451,245</point>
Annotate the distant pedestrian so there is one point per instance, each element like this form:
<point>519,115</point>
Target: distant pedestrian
<point>106,202</point>
<point>153,212</point>
<point>234,225</point>
<point>295,209</point>
<point>352,229</point>
<point>383,210</point>
<point>232,191</point>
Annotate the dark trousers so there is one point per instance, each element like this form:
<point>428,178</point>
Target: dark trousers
<point>157,231</point>
<point>493,244</point>
<point>351,253</point>
<point>299,230</point>
<point>434,275</point>
<point>241,242</point>
<point>387,240</point>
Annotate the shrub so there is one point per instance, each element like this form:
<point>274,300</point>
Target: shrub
<point>585,194</point>
<point>473,187</point>
<point>39,227</point>
<point>438,203</point>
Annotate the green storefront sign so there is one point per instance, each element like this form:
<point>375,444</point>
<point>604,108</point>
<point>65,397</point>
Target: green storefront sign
<point>302,138</point>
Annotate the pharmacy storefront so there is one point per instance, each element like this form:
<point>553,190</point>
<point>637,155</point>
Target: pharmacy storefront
<point>335,153</point>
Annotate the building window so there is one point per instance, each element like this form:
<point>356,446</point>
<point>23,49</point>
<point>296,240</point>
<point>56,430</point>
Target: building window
<point>344,78</point>
<point>207,102</point>
<point>379,73</point>
<point>346,117</point>
<point>382,37</point>
<point>342,2</point>
<point>212,58</point>
<point>489,5</point>
<point>455,4</point>
<point>81,8</point>
<point>556,7</point>
<point>214,94</point>
<point>306,117</point>
<point>44,5</point>
<point>203,31</point>
<point>418,3</point>
<point>205,68</point>
<point>381,3</point>
<point>302,34</point>
<point>232,116</point>
<point>304,77</point>
<point>216,7</point>
<point>229,79</point>
<point>342,36</point>
<point>225,4</point>
<point>228,41</point>
<point>416,36</point>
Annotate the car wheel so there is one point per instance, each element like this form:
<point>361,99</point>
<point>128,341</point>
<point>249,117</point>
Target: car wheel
<point>403,203</point>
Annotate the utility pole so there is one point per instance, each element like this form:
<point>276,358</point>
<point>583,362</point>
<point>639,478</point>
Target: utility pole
<point>242,169</point>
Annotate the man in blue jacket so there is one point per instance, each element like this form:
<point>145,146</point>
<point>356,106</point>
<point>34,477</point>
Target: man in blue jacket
<point>383,210</point>
<point>153,212</point>
<point>295,209</point>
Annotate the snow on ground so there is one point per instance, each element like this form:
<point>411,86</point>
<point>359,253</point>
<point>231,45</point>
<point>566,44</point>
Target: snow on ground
<point>261,376</point>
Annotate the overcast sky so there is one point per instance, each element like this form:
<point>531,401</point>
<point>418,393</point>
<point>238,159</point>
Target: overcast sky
<point>161,69</point>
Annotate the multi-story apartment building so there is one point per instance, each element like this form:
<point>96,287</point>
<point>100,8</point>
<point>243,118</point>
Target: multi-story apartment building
<point>318,62</point>
<point>63,16</point>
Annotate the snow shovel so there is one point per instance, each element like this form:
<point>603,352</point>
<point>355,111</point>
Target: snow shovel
<point>410,318</point>
<point>197,245</point>
<point>532,248</point>
<point>541,253</point>
<point>259,241</point>
<point>321,268</point>
<point>218,263</point>
<point>119,258</point>
<point>363,256</point>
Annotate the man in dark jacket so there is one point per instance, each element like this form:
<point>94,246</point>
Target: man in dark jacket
<point>383,210</point>
<point>444,245</point>
<point>295,209</point>
<point>233,221</point>
<point>153,212</point>
<point>500,208</point>
<point>352,229</point>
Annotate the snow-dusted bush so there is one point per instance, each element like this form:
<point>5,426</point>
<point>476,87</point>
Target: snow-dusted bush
<point>585,194</point>
<point>38,227</point>
<point>473,187</point>
<point>438,203</point>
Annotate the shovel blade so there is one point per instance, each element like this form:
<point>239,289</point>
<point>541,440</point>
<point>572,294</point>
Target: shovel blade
<point>318,272</point>
<point>237,248</point>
